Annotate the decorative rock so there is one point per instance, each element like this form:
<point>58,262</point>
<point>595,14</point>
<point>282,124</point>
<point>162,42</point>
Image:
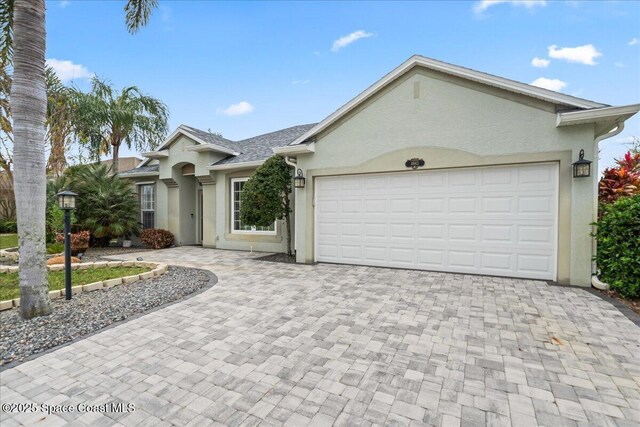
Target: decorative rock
<point>54,294</point>
<point>92,286</point>
<point>57,267</point>
<point>16,302</point>
<point>60,260</point>
<point>6,305</point>
<point>100,264</point>
<point>112,282</point>
<point>147,275</point>
<point>128,263</point>
<point>13,269</point>
<point>115,264</point>
<point>74,290</point>
<point>157,271</point>
<point>131,279</point>
<point>92,311</point>
<point>85,265</point>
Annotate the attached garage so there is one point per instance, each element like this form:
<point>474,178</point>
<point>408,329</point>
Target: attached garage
<point>483,220</point>
<point>443,168</point>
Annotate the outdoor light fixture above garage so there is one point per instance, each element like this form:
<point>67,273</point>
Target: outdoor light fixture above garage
<point>582,168</point>
<point>298,181</point>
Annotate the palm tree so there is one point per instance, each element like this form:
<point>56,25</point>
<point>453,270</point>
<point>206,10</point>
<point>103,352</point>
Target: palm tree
<point>60,121</point>
<point>29,109</point>
<point>23,22</point>
<point>107,120</point>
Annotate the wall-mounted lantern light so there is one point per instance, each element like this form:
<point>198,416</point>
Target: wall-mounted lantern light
<point>298,181</point>
<point>582,168</point>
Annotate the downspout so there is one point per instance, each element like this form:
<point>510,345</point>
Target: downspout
<point>294,164</point>
<point>595,282</point>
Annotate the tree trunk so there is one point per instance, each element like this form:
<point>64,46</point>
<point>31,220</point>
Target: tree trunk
<point>287,219</point>
<point>28,107</point>
<point>115,161</point>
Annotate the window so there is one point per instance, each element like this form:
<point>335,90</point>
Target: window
<point>147,205</point>
<point>236,224</point>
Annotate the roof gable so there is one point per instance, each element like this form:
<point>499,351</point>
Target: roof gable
<point>454,70</point>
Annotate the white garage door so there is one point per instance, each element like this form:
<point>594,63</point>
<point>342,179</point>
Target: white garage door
<point>488,220</point>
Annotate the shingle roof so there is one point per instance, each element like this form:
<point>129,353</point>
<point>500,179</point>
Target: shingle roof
<point>211,138</point>
<point>141,169</point>
<point>260,147</point>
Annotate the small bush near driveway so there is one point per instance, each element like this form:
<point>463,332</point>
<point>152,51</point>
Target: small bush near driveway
<point>156,238</point>
<point>618,255</point>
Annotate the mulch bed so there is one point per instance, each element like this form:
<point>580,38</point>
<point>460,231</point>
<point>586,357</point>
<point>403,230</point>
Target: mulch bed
<point>96,254</point>
<point>287,259</point>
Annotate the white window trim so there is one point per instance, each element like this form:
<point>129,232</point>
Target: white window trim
<point>233,214</point>
<point>142,211</point>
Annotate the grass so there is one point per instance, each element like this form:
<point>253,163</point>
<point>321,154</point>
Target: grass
<point>10,289</point>
<point>8,241</point>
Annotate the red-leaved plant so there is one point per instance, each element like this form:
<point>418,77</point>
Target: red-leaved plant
<point>78,240</point>
<point>622,180</point>
<point>156,238</point>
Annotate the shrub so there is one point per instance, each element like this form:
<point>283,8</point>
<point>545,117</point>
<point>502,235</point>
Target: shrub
<point>156,238</point>
<point>107,205</point>
<point>8,226</point>
<point>79,239</point>
<point>618,255</point>
<point>55,248</point>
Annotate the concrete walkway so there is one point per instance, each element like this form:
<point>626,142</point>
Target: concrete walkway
<point>277,344</point>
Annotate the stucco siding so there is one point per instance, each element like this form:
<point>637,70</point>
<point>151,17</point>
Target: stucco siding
<point>453,123</point>
<point>226,239</point>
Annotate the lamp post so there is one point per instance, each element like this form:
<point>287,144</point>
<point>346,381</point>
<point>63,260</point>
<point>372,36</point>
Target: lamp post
<point>67,202</point>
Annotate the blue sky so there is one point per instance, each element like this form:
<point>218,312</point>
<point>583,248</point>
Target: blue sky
<point>245,68</point>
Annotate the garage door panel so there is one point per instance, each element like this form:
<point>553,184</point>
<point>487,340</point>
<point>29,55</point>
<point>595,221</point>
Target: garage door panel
<point>502,261</point>
<point>489,220</point>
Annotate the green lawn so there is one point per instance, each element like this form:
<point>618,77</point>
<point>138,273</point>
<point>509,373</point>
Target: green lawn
<point>9,288</point>
<point>8,241</point>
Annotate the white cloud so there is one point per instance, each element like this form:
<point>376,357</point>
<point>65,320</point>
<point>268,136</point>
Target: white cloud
<point>634,41</point>
<point>580,54</point>
<point>540,62</point>
<point>551,84</point>
<point>483,5</point>
<point>348,39</point>
<point>242,107</point>
<point>67,70</point>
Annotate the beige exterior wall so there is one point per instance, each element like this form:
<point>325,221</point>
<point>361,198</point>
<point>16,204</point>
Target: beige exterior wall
<point>241,241</point>
<point>177,199</point>
<point>450,122</point>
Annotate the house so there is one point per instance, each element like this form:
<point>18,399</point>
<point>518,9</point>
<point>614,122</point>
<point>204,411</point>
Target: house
<point>124,163</point>
<point>433,167</point>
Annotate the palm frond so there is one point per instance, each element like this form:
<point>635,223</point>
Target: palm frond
<point>6,32</point>
<point>138,13</point>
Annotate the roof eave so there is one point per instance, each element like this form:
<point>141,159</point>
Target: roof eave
<point>157,155</point>
<point>138,174</point>
<point>239,165</point>
<point>293,150</point>
<point>597,115</point>
<point>212,147</point>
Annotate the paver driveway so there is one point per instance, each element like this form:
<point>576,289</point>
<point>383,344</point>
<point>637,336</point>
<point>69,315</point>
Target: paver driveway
<point>275,344</point>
